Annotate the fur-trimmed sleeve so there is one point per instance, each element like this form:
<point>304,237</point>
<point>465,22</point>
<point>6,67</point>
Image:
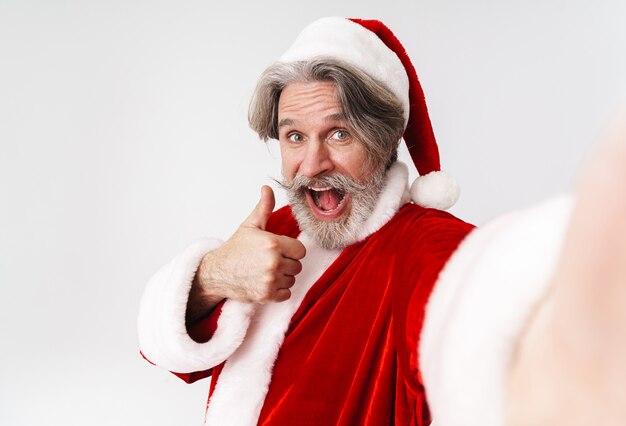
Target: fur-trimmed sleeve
<point>163,336</point>
<point>480,303</point>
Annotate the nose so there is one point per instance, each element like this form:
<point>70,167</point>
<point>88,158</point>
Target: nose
<point>317,159</point>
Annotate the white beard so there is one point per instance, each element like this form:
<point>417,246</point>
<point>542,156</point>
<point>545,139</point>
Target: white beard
<point>340,232</point>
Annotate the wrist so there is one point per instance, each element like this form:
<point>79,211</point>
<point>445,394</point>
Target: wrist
<point>203,295</point>
<point>207,280</point>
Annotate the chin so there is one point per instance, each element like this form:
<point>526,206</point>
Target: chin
<point>332,209</point>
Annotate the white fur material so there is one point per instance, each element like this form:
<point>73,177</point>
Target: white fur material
<point>244,381</point>
<point>483,298</point>
<point>163,337</point>
<point>394,195</point>
<point>436,190</point>
<point>348,41</point>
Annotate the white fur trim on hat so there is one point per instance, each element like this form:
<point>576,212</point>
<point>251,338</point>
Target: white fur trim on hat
<point>348,41</point>
<point>436,190</point>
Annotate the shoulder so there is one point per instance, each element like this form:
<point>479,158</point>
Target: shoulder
<point>416,224</point>
<point>418,240</point>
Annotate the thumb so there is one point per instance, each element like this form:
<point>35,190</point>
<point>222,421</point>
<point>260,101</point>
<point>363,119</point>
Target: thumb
<point>261,213</point>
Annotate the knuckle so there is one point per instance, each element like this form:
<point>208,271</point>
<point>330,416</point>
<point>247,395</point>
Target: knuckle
<point>269,282</point>
<point>274,263</point>
<point>264,295</point>
<point>273,244</point>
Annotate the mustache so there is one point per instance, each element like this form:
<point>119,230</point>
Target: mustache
<point>338,182</point>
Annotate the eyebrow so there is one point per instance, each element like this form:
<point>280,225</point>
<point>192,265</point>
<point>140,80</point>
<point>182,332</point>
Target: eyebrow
<point>336,117</point>
<point>285,122</point>
<point>332,117</point>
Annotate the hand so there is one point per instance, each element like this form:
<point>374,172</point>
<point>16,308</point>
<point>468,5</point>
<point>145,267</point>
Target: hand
<point>253,265</point>
<point>570,367</point>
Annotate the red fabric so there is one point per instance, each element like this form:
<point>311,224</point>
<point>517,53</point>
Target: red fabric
<point>418,135</point>
<point>201,332</point>
<point>350,353</point>
<point>281,222</point>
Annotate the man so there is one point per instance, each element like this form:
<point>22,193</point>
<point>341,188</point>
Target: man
<point>338,309</point>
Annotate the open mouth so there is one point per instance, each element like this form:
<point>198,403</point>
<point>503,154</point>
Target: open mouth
<point>326,201</point>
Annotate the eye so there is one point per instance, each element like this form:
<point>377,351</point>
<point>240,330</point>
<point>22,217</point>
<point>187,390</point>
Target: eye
<point>340,135</point>
<point>295,137</point>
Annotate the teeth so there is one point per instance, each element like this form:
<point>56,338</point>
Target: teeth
<point>326,188</point>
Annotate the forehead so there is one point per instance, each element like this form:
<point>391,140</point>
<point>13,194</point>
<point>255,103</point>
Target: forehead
<point>319,97</point>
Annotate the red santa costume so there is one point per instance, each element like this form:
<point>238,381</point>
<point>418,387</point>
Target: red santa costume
<point>419,306</point>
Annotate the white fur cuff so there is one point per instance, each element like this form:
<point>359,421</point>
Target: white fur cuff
<point>163,337</point>
<point>476,313</point>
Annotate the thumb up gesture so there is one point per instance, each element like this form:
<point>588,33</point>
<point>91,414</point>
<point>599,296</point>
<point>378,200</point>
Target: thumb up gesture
<point>253,265</point>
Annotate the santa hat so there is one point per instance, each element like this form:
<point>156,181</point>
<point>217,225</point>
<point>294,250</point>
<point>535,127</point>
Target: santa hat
<point>370,46</point>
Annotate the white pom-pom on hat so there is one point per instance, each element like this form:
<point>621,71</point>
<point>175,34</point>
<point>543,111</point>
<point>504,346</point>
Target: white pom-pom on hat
<point>436,190</point>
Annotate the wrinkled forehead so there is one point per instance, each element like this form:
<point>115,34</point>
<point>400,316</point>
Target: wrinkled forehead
<point>318,97</point>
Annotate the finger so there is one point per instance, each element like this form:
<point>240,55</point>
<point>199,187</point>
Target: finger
<point>263,210</point>
<point>292,248</point>
<point>282,294</point>
<point>286,281</point>
<point>290,266</point>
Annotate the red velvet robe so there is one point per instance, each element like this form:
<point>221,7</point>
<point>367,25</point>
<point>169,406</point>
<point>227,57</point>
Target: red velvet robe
<point>350,354</point>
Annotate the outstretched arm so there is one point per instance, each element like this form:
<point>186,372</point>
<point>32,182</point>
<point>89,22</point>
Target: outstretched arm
<point>526,324</point>
<point>570,366</point>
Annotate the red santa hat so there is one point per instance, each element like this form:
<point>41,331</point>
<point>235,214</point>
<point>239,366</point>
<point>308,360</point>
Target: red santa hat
<point>370,46</point>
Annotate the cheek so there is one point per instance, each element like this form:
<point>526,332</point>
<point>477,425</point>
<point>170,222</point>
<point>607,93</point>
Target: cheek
<point>355,163</point>
<point>289,165</point>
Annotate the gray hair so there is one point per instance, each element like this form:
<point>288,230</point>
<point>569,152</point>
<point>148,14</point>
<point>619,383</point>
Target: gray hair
<point>372,111</point>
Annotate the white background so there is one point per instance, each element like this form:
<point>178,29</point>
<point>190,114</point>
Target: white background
<point>123,137</point>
